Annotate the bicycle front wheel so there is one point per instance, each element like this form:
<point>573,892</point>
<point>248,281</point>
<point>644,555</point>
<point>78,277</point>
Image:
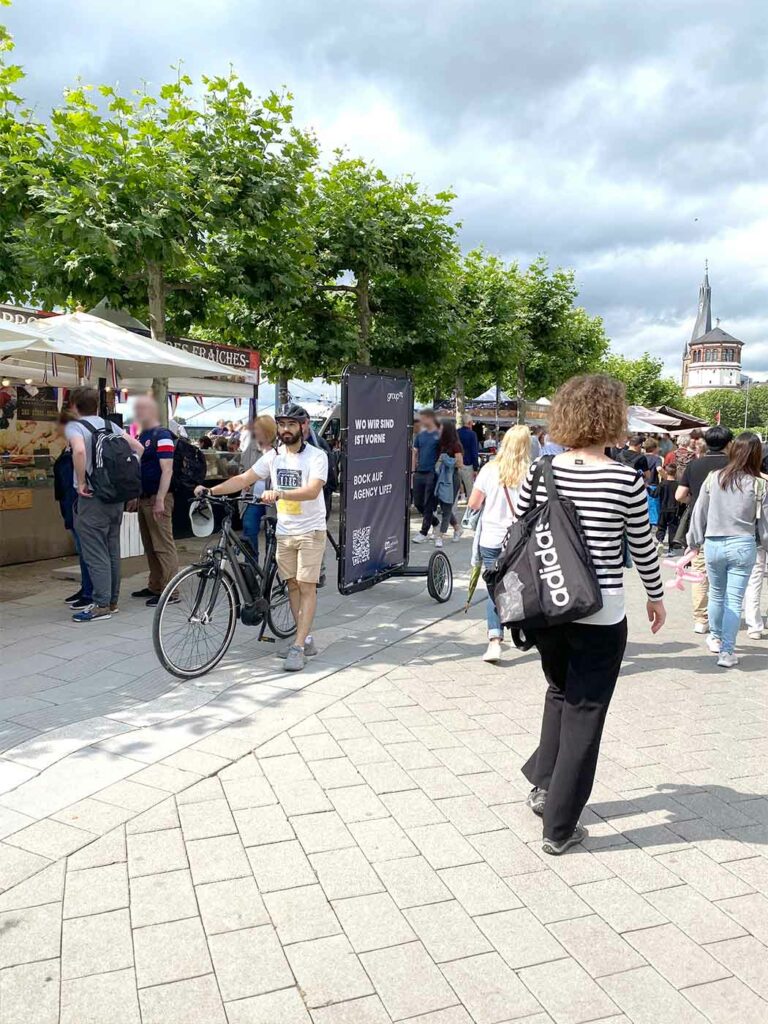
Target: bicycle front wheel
<point>195,621</point>
<point>279,616</point>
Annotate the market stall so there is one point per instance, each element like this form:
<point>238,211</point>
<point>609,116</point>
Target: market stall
<point>41,356</point>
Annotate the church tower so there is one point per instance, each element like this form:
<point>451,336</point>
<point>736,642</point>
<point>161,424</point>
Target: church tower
<point>712,358</point>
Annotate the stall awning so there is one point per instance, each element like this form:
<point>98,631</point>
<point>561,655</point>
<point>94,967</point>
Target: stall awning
<point>74,335</point>
<point>652,417</point>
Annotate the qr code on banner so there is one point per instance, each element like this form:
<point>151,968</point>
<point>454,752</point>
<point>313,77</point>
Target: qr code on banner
<point>361,545</point>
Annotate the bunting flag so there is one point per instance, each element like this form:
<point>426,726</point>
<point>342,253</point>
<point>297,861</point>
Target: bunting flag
<point>113,377</point>
<point>123,395</point>
<point>87,367</point>
<point>238,402</point>
<point>173,401</point>
<point>60,392</point>
<point>199,400</point>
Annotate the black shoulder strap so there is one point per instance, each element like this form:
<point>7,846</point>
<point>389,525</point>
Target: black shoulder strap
<point>89,426</point>
<point>544,469</point>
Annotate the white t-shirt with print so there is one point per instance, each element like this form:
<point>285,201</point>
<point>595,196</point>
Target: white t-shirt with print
<point>497,515</point>
<point>287,471</point>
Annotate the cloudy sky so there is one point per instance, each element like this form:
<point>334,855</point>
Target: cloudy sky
<point>627,140</point>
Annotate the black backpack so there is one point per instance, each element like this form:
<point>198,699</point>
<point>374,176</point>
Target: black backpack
<point>115,475</point>
<point>189,470</point>
<point>544,575</point>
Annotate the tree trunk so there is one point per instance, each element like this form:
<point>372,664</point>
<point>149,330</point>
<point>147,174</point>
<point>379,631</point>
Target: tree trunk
<point>460,397</point>
<point>156,302</point>
<point>363,317</point>
<point>521,392</point>
<point>282,390</point>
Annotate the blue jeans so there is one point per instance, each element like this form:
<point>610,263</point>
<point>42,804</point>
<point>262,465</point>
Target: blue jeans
<point>489,556</point>
<point>86,586</point>
<point>729,563</point>
<point>252,517</point>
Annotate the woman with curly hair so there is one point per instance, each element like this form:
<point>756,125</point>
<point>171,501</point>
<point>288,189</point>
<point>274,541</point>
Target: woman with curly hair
<point>581,660</point>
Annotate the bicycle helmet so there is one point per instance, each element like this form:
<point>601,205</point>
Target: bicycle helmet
<point>291,411</point>
<point>201,518</point>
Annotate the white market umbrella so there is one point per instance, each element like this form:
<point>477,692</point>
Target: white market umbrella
<point>29,346</point>
<point>660,419</point>
<point>637,425</point>
<point>490,396</point>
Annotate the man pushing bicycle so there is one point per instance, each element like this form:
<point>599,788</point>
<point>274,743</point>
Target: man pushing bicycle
<point>296,473</point>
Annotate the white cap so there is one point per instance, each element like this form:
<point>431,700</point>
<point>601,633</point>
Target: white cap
<point>201,518</point>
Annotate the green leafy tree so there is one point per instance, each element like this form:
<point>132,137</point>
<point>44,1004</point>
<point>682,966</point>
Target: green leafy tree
<point>165,204</point>
<point>483,328</point>
<point>558,338</point>
<point>382,246</point>
<point>644,380</point>
<point>20,141</point>
<point>735,406</point>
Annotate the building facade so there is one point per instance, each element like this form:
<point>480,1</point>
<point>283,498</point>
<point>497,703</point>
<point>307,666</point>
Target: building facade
<point>712,358</point>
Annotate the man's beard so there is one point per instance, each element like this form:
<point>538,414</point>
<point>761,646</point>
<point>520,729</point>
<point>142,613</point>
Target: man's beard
<point>289,438</point>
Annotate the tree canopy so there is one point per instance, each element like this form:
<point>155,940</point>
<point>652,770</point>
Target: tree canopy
<point>644,380</point>
<point>207,211</point>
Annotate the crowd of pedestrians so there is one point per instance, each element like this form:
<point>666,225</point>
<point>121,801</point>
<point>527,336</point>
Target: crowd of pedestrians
<point>638,498</point>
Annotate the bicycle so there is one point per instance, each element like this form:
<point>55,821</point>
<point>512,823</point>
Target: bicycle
<point>197,613</point>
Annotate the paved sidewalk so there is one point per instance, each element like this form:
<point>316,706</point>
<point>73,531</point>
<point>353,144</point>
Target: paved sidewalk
<point>358,850</point>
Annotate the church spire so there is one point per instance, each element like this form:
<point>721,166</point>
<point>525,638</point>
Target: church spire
<point>703,323</point>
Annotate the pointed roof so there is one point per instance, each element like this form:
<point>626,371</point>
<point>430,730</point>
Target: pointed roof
<point>703,323</point>
<point>717,335</point>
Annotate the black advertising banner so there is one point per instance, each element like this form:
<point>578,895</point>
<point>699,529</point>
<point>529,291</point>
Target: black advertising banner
<point>376,425</point>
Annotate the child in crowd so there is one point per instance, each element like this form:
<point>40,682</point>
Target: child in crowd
<point>669,511</point>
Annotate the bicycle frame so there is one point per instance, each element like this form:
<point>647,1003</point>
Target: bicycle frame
<point>228,547</point>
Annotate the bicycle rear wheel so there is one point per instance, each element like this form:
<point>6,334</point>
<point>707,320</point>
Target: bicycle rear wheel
<point>279,617</point>
<point>439,577</point>
<point>192,628</point>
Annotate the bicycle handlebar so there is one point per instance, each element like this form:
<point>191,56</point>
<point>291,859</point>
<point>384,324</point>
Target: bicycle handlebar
<point>225,499</point>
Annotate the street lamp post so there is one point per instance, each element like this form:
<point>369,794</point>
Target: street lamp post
<point>746,404</point>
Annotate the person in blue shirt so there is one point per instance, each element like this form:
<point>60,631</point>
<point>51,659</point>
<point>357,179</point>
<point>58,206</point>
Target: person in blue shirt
<point>155,504</point>
<point>423,461</point>
<point>471,447</point>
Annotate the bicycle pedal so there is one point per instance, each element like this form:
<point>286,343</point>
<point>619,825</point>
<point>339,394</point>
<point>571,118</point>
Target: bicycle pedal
<point>267,640</point>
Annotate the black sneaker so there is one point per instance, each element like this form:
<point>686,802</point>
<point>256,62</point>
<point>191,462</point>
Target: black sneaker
<point>154,601</point>
<point>144,592</point>
<point>73,597</point>
<point>536,800</point>
<point>558,846</point>
<point>81,603</point>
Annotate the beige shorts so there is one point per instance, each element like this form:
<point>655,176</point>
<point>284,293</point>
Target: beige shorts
<point>300,557</point>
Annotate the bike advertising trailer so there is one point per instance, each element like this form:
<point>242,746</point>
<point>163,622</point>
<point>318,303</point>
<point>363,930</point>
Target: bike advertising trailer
<point>374,483</point>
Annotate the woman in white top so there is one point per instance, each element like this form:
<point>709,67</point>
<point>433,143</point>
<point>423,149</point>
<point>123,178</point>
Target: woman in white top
<point>263,434</point>
<point>495,491</point>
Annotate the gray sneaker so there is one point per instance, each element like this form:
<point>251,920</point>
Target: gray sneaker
<point>294,659</point>
<point>558,846</point>
<point>536,800</point>
<point>310,647</point>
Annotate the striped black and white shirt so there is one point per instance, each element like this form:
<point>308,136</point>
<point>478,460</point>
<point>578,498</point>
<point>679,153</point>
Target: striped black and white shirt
<point>611,501</point>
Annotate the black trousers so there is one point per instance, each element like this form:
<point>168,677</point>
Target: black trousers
<point>581,665</point>
<point>424,497</point>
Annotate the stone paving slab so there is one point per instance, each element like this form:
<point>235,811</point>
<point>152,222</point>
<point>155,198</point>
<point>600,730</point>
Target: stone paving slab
<point>358,849</point>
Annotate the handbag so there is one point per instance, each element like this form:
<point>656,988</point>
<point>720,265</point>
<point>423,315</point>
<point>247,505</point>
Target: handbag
<point>544,575</point>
